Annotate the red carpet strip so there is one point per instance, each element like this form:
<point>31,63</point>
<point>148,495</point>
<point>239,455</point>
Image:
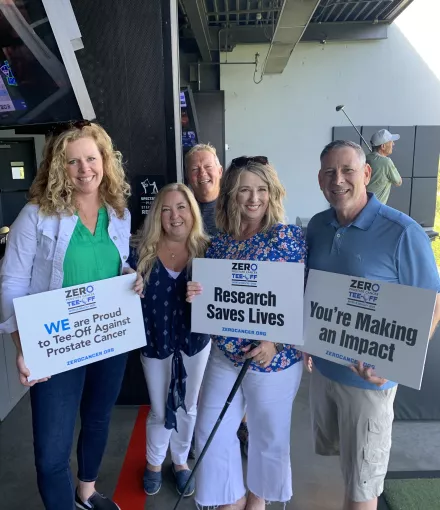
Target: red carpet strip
<point>129,493</point>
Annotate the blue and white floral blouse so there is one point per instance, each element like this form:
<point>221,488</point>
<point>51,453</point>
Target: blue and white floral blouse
<point>282,243</point>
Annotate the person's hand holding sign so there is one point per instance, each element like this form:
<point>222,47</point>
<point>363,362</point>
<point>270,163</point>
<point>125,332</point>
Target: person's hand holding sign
<point>308,362</point>
<point>23,371</point>
<point>138,284</point>
<point>263,354</point>
<point>367,374</point>
<point>192,289</point>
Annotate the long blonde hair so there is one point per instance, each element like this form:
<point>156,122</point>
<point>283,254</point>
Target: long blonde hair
<point>52,189</point>
<point>147,239</point>
<point>228,217</point>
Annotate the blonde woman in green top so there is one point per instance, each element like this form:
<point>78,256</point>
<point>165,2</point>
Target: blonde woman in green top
<point>74,230</point>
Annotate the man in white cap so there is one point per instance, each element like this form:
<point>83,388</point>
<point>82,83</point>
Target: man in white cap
<point>384,173</point>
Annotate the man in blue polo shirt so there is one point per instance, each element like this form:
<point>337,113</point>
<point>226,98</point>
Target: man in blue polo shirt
<point>352,408</point>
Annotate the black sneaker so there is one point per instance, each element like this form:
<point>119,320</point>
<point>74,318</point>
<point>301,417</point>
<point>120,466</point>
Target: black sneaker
<point>95,502</point>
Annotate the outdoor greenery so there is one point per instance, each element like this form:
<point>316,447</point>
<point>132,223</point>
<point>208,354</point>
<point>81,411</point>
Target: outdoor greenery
<point>412,494</point>
<point>436,243</point>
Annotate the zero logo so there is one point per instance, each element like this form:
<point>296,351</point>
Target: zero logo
<point>360,285</point>
<point>244,266</point>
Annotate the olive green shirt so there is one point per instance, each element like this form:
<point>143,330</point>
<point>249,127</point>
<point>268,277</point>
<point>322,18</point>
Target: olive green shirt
<point>384,175</point>
<point>89,257</point>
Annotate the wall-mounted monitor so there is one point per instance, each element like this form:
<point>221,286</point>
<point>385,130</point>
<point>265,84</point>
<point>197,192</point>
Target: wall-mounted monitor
<point>35,87</point>
<point>190,125</point>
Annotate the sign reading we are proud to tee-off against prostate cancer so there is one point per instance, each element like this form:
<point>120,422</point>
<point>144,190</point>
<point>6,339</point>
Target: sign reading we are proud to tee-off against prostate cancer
<point>249,299</point>
<point>75,326</point>
<point>384,325</point>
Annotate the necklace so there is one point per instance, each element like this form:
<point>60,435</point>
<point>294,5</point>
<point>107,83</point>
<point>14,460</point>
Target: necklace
<point>172,254</point>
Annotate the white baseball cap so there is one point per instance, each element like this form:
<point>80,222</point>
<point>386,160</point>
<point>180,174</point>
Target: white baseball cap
<point>383,136</point>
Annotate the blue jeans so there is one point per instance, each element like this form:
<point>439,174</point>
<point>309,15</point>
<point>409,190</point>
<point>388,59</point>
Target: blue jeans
<point>93,389</point>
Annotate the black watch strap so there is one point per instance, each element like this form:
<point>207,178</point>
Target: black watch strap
<point>279,347</point>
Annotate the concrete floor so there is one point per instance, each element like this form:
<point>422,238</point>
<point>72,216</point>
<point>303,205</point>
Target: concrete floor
<point>317,480</point>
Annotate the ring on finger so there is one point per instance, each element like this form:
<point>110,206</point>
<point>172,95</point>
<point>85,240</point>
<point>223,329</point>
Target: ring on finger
<point>261,362</point>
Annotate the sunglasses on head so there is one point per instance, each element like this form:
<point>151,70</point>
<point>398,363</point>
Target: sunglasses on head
<point>245,160</point>
<point>65,126</point>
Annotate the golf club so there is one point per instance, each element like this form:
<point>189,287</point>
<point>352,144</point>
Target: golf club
<point>230,398</point>
<point>341,108</point>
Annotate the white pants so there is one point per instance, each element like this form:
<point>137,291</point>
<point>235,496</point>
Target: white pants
<point>267,400</point>
<point>158,376</point>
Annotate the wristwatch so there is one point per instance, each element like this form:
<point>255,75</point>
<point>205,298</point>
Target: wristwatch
<point>279,348</point>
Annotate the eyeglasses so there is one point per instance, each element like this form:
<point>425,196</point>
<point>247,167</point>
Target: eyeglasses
<point>65,126</point>
<point>245,160</point>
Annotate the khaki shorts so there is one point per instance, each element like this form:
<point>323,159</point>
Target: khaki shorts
<point>355,424</point>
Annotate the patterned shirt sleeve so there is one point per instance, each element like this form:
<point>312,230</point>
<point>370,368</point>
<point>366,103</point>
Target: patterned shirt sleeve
<point>291,243</point>
<point>132,258</point>
<point>214,250</point>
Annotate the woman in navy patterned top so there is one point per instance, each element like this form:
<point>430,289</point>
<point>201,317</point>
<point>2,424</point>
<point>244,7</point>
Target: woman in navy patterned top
<point>250,217</point>
<point>174,359</point>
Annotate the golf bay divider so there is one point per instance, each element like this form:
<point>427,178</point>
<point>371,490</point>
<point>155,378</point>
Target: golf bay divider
<point>384,325</point>
<point>75,326</point>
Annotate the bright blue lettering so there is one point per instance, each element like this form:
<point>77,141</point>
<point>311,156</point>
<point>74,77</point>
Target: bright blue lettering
<point>65,324</point>
<point>56,326</point>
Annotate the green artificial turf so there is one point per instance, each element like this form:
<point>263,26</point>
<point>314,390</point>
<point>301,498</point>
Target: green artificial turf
<point>412,494</point>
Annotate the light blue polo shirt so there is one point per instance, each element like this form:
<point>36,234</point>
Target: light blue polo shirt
<point>381,244</point>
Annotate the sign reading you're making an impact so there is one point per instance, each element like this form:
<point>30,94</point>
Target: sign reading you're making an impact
<point>249,299</point>
<point>384,325</point>
<point>75,326</point>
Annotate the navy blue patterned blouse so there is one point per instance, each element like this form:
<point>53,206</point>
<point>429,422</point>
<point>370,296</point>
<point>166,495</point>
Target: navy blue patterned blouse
<point>167,318</point>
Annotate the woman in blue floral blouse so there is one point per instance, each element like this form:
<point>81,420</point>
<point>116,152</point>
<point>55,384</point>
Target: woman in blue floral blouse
<point>174,359</point>
<point>250,218</point>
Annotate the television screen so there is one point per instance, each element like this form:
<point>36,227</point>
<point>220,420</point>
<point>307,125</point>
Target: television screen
<point>188,120</point>
<point>34,85</point>
<point>182,100</point>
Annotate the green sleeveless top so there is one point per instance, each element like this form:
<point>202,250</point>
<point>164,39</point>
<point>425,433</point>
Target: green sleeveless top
<point>91,257</point>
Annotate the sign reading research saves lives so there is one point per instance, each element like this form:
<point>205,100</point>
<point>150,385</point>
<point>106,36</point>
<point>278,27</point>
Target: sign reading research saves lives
<point>74,326</point>
<point>384,325</point>
<point>249,299</point>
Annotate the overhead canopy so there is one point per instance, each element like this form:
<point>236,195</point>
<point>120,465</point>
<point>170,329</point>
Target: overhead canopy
<point>292,22</point>
<point>222,24</point>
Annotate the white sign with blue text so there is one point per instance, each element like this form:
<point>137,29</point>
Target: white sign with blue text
<point>75,326</point>
<point>384,325</point>
<point>249,299</point>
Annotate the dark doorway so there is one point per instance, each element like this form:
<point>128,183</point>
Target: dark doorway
<point>18,168</point>
<point>210,108</point>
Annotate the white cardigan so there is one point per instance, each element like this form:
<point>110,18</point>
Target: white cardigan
<point>35,251</point>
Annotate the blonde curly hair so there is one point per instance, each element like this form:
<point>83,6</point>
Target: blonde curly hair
<point>147,239</point>
<point>52,189</point>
